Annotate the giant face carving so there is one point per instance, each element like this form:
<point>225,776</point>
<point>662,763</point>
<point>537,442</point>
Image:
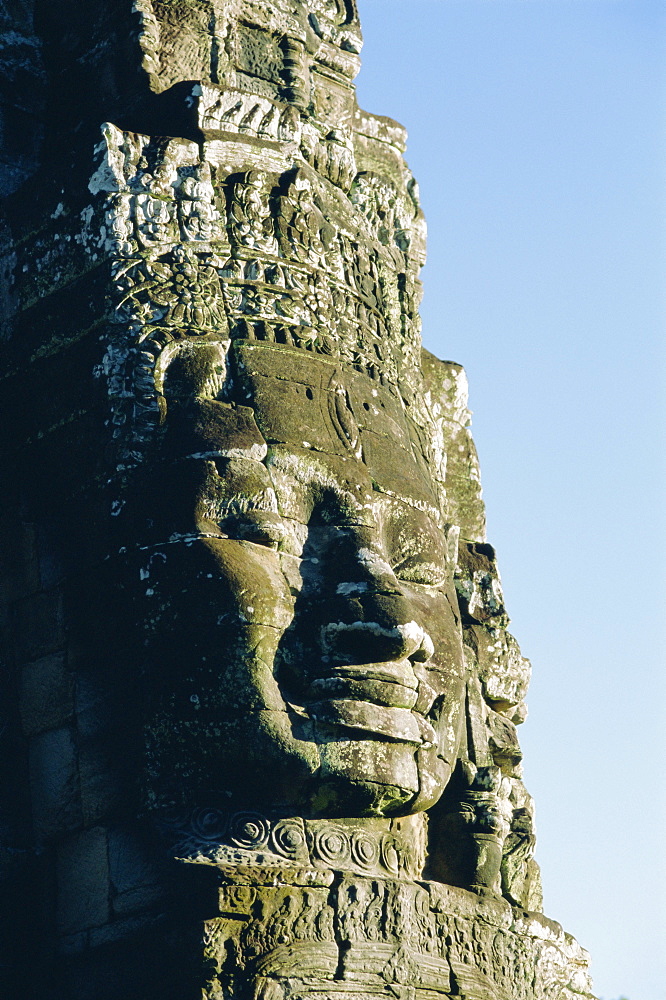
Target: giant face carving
<point>305,648</point>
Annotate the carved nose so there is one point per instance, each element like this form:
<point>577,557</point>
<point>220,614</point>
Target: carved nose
<point>374,619</point>
<point>370,642</point>
<point>374,569</point>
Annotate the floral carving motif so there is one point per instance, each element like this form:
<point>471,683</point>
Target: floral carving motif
<point>177,289</point>
<point>320,843</point>
<point>209,824</point>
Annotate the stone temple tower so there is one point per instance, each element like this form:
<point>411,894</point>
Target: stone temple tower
<point>259,700</point>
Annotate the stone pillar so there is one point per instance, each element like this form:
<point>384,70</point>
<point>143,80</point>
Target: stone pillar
<point>259,694</point>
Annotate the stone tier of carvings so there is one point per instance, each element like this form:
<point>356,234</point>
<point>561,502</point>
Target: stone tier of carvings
<point>396,849</point>
<point>252,255</point>
<point>277,47</point>
<point>319,933</point>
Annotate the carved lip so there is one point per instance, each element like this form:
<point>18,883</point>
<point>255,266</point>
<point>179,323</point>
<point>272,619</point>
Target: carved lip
<point>397,725</point>
<point>376,698</point>
<point>394,671</point>
<point>391,684</point>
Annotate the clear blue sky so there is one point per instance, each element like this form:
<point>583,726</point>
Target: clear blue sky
<point>537,136</point>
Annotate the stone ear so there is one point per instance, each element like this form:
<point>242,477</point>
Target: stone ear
<point>190,370</point>
<point>186,375</point>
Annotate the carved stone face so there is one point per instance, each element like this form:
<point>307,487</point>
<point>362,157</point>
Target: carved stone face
<point>303,613</point>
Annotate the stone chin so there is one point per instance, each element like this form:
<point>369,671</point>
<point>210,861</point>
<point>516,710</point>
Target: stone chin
<point>366,775</point>
<point>378,758</point>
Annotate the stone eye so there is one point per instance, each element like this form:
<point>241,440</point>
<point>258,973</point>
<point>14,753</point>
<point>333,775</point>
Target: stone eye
<point>260,527</point>
<point>421,567</point>
<point>417,552</point>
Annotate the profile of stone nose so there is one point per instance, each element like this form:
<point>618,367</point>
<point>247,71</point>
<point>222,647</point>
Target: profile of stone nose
<point>372,642</point>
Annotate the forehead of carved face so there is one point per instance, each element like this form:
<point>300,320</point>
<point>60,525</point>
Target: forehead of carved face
<point>303,593</point>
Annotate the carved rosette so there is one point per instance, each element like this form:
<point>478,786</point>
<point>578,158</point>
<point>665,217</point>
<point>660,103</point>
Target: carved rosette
<point>362,846</point>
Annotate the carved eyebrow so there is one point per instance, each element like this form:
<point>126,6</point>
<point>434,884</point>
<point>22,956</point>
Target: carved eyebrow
<point>404,517</point>
<point>416,505</point>
<point>422,571</point>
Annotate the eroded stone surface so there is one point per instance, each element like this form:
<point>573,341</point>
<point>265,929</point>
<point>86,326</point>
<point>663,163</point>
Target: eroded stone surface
<point>260,685</point>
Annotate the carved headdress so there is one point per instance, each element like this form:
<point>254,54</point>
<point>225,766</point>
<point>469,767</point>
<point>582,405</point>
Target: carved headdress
<point>294,225</point>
